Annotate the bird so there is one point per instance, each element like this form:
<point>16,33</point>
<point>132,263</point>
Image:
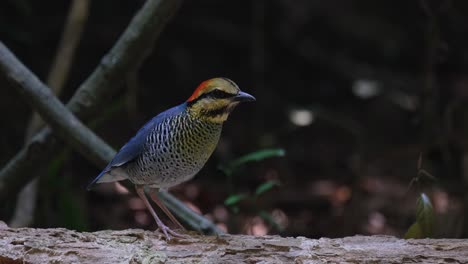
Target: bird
<point>173,146</point>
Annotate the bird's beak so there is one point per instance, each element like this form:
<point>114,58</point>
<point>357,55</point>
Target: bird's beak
<point>244,97</point>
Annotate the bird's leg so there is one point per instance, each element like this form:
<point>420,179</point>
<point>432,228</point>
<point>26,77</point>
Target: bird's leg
<point>154,196</point>
<point>166,230</point>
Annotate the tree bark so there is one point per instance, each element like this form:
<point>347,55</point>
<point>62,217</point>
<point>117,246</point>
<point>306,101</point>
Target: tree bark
<point>58,245</point>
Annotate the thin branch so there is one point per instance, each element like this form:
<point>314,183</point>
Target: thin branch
<point>41,98</point>
<point>60,68</point>
<point>127,54</point>
<point>59,72</point>
<point>135,44</point>
<point>20,169</point>
<point>74,26</point>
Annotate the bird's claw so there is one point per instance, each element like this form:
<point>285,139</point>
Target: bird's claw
<point>169,233</point>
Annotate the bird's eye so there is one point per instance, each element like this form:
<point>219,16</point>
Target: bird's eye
<point>219,94</point>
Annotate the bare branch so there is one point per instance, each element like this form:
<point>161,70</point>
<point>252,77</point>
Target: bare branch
<point>74,25</point>
<point>76,19</point>
<point>127,54</point>
<point>61,65</point>
<point>62,121</point>
<point>19,170</point>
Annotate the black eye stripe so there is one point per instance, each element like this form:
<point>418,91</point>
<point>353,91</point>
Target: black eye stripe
<point>216,112</point>
<point>219,94</point>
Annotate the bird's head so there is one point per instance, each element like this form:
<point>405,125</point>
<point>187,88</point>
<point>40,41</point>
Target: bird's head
<point>214,99</point>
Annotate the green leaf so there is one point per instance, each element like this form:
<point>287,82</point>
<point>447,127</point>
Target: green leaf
<point>266,186</point>
<point>254,156</point>
<point>414,231</point>
<point>425,214</point>
<point>424,225</point>
<point>234,199</point>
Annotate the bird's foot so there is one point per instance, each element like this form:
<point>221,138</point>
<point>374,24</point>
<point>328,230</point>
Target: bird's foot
<point>169,233</point>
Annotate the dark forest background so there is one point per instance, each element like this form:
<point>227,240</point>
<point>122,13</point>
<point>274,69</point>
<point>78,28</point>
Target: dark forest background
<point>354,93</point>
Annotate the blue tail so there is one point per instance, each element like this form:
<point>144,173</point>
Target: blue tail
<point>96,179</point>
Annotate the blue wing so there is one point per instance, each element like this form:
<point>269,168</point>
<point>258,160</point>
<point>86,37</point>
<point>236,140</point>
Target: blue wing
<point>134,147</point>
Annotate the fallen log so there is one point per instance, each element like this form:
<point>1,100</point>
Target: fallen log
<point>59,245</point>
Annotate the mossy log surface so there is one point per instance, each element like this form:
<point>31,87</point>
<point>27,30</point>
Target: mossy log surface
<point>58,245</point>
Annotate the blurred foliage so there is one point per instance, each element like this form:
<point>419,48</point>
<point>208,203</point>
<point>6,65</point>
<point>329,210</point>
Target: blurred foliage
<point>259,155</point>
<point>424,225</point>
<point>264,187</point>
<point>233,200</point>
